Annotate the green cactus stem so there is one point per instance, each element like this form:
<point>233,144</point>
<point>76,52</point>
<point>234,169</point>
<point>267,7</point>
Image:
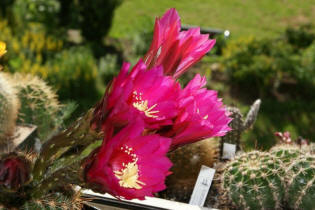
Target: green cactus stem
<point>62,154</point>
<point>255,180</point>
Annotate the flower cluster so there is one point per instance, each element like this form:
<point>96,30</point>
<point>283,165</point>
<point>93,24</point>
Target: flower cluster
<point>145,113</point>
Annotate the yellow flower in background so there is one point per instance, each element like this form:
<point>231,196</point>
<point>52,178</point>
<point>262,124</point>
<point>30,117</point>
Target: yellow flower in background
<point>2,48</point>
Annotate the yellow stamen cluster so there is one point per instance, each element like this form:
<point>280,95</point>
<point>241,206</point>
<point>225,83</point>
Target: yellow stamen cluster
<point>128,176</point>
<point>142,105</point>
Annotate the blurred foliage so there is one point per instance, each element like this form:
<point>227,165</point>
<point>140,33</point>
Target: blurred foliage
<point>280,71</point>
<point>70,69</point>
<point>276,67</point>
<point>35,46</point>
<point>42,11</point>
<point>300,37</point>
<point>94,19</point>
<point>74,71</point>
<point>108,67</point>
<point>5,7</point>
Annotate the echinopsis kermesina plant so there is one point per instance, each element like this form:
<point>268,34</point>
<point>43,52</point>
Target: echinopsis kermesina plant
<point>120,145</point>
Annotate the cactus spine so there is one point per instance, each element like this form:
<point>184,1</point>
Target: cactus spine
<point>53,201</point>
<point>255,181</point>
<point>239,125</point>
<point>301,183</point>
<point>9,106</point>
<point>39,104</point>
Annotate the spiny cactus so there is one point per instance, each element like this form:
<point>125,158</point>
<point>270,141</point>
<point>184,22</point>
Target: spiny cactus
<point>53,201</point>
<point>187,161</point>
<point>286,152</point>
<point>239,125</point>
<point>9,106</point>
<point>301,183</point>
<point>255,180</point>
<point>39,104</point>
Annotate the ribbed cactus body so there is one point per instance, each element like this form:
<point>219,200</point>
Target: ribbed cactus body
<point>301,183</point>
<point>9,106</point>
<point>286,152</point>
<point>255,180</point>
<point>187,161</point>
<point>39,104</point>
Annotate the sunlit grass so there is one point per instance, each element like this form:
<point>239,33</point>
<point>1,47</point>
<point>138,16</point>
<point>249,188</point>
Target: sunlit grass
<point>242,17</point>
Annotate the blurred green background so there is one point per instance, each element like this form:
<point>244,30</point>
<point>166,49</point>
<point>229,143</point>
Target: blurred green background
<point>77,46</point>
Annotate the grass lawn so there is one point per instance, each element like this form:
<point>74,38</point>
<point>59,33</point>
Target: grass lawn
<point>242,17</point>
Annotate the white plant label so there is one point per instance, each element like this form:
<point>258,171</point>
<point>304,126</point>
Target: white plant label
<point>202,186</point>
<point>229,151</point>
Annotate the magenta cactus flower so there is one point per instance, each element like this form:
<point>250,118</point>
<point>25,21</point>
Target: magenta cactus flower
<point>148,94</point>
<point>202,115</point>
<point>130,165</point>
<point>176,51</point>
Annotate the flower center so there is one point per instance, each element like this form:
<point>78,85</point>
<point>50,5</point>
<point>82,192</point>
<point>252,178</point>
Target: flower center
<point>142,105</point>
<point>128,176</point>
